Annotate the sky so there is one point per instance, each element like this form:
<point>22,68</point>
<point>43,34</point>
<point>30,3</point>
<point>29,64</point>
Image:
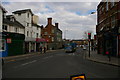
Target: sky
<point>74,18</point>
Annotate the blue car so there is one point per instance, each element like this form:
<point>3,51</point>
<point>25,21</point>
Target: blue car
<point>69,49</point>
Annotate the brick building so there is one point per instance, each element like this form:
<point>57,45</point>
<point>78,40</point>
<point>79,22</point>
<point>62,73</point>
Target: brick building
<point>53,35</point>
<point>108,27</point>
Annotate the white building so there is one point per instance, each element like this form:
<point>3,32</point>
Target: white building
<point>2,12</point>
<point>32,31</point>
<point>11,25</point>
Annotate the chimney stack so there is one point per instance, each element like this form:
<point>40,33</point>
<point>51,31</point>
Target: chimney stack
<point>56,24</point>
<point>49,20</point>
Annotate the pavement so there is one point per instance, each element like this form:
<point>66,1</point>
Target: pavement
<point>102,58</point>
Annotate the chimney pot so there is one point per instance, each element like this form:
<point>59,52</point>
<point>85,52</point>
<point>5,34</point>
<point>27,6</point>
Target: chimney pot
<point>56,24</point>
<point>49,20</point>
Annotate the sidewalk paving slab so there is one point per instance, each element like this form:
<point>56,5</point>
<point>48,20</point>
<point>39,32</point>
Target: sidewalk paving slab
<point>103,58</point>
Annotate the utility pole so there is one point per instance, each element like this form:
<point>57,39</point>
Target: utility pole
<point>89,38</point>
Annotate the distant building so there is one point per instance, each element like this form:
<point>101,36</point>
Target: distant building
<point>81,42</point>
<point>53,35</point>
<point>108,27</point>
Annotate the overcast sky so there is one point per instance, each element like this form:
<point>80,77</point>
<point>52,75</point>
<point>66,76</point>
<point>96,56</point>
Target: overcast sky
<point>74,18</point>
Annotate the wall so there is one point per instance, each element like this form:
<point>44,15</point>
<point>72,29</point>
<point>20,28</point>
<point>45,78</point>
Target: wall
<point>1,19</point>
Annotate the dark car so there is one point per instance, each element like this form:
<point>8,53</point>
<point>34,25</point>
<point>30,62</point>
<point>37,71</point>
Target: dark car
<point>69,49</point>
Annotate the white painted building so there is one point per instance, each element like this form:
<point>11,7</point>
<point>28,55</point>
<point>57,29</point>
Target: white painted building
<point>11,25</point>
<point>25,17</point>
<point>2,12</point>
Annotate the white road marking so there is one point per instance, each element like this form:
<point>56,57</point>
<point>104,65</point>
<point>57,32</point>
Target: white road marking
<point>47,57</point>
<point>29,62</point>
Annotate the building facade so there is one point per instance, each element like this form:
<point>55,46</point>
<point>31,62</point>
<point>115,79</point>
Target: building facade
<point>108,26</point>
<point>2,13</point>
<point>53,35</point>
<point>32,29</point>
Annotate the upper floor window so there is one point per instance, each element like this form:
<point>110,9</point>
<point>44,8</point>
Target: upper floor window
<point>112,3</point>
<point>5,27</point>
<point>28,15</point>
<point>27,24</point>
<point>52,38</point>
<point>12,19</point>
<point>45,33</point>
<point>37,35</point>
<point>37,28</point>
<point>106,5</point>
<point>27,33</point>
<point>16,30</point>
<point>31,34</point>
<point>19,14</point>
<point>52,31</point>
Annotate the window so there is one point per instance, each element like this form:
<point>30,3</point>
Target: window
<point>37,28</point>
<point>19,14</point>
<point>36,35</point>
<point>106,5</point>
<point>102,9</point>
<point>52,38</point>
<point>52,31</point>
<point>113,21</point>
<point>31,34</point>
<point>112,3</point>
<point>2,45</point>
<point>5,27</point>
<point>28,15</point>
<point>27,24</point>
<point>16,30</point>
<point>45,33</point>
<point>27,33</point>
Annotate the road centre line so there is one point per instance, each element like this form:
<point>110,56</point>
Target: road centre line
<point>29,62</point>
<point>47,57</point>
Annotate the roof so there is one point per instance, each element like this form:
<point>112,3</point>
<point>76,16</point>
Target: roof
<point>36,25</point>
<point>15,23</point>
<point>22,11</point>
<point>3,9</point>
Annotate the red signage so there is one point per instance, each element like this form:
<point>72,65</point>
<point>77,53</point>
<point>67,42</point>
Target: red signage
<point>9,40</point>
<point>89,33</point>
<point>40,40</point>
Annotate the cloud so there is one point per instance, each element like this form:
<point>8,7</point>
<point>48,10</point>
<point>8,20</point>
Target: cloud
<point>74,17</point>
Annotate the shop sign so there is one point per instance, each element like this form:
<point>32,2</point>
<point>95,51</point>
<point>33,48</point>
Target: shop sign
<point>9,40</point>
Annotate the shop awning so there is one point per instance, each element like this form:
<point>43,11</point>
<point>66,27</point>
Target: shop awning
<point>41,40</point>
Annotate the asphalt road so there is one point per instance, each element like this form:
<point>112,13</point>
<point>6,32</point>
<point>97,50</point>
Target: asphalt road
<point>57,64</point>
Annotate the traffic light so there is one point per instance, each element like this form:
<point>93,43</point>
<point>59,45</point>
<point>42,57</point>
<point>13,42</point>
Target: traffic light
<point>89,35</point>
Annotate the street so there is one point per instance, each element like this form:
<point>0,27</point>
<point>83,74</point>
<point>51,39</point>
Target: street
<point>57,64</point>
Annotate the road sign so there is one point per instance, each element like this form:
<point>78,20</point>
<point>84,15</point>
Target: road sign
<point>9,40</point>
